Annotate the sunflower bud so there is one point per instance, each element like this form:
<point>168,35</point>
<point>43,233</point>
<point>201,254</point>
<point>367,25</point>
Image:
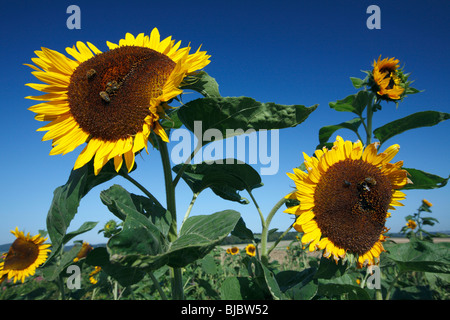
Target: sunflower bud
<point>388,81</point>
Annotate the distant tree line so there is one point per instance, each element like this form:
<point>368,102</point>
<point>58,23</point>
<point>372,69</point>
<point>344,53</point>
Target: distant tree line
<point>274,236</point>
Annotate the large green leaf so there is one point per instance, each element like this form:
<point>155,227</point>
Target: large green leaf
<point>239,114</point>
<point>197,237</point>
<point>424,180</point>
<point>225,179</point>
<point>413,121</point>
<point>116,194</point>
<point>125,275</point>
<point>240,288</point>
<point>326,132</point>
<point>355,103</point>
<point>66,199</point>
<point>421,256</point>
<point>139,236</point>
<point>298,285</point>
<point>85,227</point>
<point>203,83</point>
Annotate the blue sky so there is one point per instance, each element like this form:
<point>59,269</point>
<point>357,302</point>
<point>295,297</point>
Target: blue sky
<point>289,52</point>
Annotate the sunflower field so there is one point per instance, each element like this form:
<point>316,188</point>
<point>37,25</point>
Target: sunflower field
<point>117,104</point>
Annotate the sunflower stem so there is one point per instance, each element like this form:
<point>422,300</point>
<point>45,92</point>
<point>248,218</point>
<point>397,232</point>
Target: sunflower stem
<point>158,287</point>
<point>189,209</point>
<point>141,187</point>
<point>185,164</point>
<point>264,229</point>
<point>177,278</point>
<point>279,239</point>
<point>369,121</point>
<point>272,212</point>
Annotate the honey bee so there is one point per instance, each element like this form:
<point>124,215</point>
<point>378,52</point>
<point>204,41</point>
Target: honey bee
<point>368,183</point>
<point>105,96</point>
<point>90,74</point>
<point>111,87</point>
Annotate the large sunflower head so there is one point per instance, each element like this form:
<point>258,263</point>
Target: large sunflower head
<point>110,100</point>
<point>344,197</point>
<point>24,256</point>
<point>389,82</point>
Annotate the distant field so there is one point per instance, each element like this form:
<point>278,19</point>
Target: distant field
<point>279,252</point>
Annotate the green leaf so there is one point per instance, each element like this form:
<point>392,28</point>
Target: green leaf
<point>424,180</point>
<point>351,292</point>
<point>242,232</point>
<point>85,227</point>
<point>202,83</point>
<point>357,83</point>
<point>355,103</point>
<point>413,121</point>
<point>239,288</point>
<point>424,266</point>
<point>197,237</point>
<point>172,121</point>
<point>265,278</point>
<point>53,270</point>
<point>125,275</point>
<point>326,132</point>
<point>238,115</point>
<point>66,199</point>
<point>328,269</point>
<point>225,179</point>
<point>139,236</point>
<point>298,285</point>
<point>159,216</point>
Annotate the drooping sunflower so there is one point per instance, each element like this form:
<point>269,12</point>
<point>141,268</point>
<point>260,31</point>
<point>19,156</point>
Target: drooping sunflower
<point>93,276</point>
<point>344,197</point>
<point>389,80</point>
<point>110,100</point>
<point>85,249</point>
<point>411,224</point>
<point>25,255</point>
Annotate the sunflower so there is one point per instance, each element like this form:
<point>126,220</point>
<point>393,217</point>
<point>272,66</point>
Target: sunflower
<point>411,224</point>
<point>110,100</point>
<point>85,249</point>
<point>427,203</point>
<point>233,250</point>
<point>250,250</point>
<point>389,80</point>
<point>93,278</point>
<point>344,196</point>
<point>24,256</point>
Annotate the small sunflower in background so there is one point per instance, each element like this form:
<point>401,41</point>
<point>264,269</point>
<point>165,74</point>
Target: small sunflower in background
<point>250,249</point>
<point>93,276</point>
<point>344,196</point>
<point>110,100</point>
<point>25,255</point>
<point>233,250</point>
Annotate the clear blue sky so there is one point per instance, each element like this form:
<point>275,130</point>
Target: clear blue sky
<point>289,52</point>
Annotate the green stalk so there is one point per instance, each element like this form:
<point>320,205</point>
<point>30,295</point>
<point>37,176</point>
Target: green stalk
<point>141,187</point>
<point>177,278</point>
<point>158,287</point>
<point>369,121</point>
<point>189,209</point>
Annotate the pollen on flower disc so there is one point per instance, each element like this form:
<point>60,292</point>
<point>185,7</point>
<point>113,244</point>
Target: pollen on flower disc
<point>350,204</point>
<point>109,95</point>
